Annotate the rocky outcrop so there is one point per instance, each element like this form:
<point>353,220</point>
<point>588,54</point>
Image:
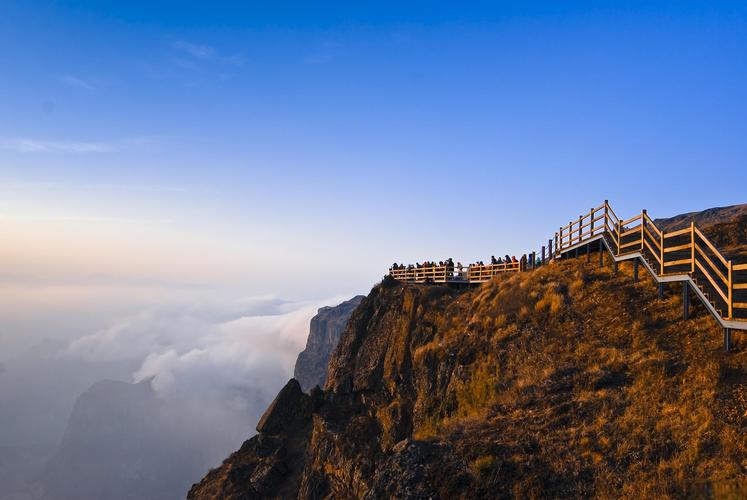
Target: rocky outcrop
<point>569,381</point>
<point>324,334</point>
<point>269,464</point>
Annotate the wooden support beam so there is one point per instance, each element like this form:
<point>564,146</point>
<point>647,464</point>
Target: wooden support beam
<point>685,300</point>
<point>635,270</point>
<point>601,253</point>
<point>727,339</point>
<point>661,291</point>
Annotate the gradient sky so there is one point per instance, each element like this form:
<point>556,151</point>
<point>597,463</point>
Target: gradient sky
<point>291,149</point>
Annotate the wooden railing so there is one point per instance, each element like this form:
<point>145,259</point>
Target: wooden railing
<point>670,255</point>
<point>474,273</point>
<point>683,252</point>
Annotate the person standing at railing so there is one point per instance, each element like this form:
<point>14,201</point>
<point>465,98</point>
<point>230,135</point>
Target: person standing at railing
<point>493,260</point>
<point>523,263</point>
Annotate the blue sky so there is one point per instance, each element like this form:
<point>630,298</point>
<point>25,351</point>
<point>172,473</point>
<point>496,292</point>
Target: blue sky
<point>296,149</point>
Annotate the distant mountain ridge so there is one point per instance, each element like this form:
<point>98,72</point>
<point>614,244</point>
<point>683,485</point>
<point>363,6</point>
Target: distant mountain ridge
<point>726,227</point>
<point>702,218</point>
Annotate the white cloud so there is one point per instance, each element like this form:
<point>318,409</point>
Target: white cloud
<point>42,146</point>
<point>249,343</point>
<point>193,49</point>
<point>78,83</point>
<point>204,53</point>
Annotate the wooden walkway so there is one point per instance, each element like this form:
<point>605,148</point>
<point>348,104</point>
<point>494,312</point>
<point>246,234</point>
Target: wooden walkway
<point>685,255</point>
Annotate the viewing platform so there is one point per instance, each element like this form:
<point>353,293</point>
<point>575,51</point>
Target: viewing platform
<point>474,273</point>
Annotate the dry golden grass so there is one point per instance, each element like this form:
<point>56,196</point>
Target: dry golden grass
<point>572,381</point>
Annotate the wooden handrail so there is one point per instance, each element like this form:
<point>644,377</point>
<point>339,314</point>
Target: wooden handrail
<point>677,233</point>
<point>654,252</point>
<point>652,225</point>
<point>711,264</point>
<point>632,219</point>
<point>655,240</point>
<point>713,282</point>
<point>630,244</point>
<point>710,245</point>
<point>678,247</point>
<point>612,212</point>
<point>677,262</point>
<point>636,229</point>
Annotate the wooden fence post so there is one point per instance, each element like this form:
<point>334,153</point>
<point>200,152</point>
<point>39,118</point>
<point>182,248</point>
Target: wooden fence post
<point>619,230</point>
<point>731,288</point>
<point>543,255</point>
<point>661,253</point>
<point>643,222</point>
<point>580,223</point>
<point>692,247</point>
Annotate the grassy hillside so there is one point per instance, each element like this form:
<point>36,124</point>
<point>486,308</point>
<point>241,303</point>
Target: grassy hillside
<point>573,381</point>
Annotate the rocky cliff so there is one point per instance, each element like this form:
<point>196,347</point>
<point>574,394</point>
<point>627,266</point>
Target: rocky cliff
<point>324,333</point>
<point>567,381</point>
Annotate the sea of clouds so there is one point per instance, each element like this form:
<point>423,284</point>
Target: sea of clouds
<point>214,363</point>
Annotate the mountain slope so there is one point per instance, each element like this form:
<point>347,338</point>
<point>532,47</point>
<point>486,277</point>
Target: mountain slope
<point>567,381</point>
<point>702,218</point>
<point>726,227</point>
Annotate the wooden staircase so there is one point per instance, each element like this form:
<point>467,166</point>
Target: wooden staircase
<point>685,255</point>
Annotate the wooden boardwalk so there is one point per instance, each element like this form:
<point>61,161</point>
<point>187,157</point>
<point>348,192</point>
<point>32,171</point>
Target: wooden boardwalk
<point>685,255</point>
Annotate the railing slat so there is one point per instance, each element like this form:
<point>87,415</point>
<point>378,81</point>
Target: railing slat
<point>713,282</point>
<point>710,245</point>
<point>711,264</point>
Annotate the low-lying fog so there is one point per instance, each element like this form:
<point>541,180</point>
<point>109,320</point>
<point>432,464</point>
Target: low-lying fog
<point>198,369</point>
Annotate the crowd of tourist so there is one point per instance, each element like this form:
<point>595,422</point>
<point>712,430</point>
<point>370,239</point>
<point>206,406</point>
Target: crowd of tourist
<point>449,267</point>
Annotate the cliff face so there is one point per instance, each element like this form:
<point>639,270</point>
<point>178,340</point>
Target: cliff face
<point>567,381</point>
<point>324,333</point>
